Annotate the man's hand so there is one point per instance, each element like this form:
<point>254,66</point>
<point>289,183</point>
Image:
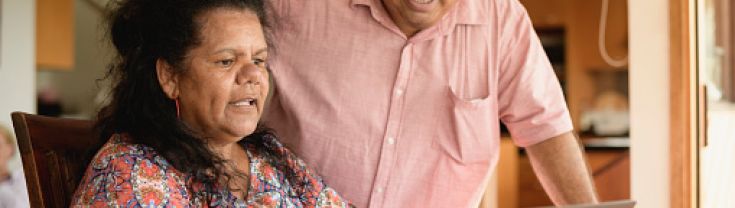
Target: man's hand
<point>562,170</point>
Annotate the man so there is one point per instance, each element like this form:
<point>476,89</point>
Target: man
<point>397,102</point>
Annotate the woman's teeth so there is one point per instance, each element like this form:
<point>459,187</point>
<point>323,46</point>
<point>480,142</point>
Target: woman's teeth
<point>423,1</point>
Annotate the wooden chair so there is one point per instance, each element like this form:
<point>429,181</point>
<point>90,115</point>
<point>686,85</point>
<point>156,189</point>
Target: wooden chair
<point>53,151</point>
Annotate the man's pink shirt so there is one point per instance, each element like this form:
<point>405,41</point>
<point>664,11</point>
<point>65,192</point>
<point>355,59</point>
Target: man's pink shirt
<point>391,121</point>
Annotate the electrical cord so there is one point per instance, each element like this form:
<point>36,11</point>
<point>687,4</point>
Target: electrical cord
<point>601,39</point>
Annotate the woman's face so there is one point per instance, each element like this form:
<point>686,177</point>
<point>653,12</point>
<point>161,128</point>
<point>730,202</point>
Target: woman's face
<point>223,89</point>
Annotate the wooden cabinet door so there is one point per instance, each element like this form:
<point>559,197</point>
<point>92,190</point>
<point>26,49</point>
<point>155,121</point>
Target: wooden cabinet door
<point>55,34</point>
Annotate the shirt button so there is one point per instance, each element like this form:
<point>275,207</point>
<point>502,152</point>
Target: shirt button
<point>399,92</point>
<point>391,140</point>
<point>379,190</point>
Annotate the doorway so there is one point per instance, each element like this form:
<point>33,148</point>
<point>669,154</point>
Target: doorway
<point>716,102</point>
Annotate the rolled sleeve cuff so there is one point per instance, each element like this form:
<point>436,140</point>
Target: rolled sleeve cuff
<point>528,135</point>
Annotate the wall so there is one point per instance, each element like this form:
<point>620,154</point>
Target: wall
<point>17,60</point>
<point>78,87</point>
<point>649,90</point>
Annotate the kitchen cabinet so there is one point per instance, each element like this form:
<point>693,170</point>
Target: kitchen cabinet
<point>547,13</point>
<point>55,34</point>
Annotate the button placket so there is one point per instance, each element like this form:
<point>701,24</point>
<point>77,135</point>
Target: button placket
<point>388,151</point>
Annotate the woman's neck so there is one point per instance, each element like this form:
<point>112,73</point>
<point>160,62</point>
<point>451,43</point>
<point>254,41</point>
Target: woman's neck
<point>224,150</point>
<point>239,160</point>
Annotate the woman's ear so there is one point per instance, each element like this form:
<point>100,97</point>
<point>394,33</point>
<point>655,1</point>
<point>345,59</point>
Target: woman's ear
<point>167,78</point>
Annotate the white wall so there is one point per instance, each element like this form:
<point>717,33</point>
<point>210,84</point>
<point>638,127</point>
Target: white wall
<point>649,103</point>
<point>17,58</point>
<point>17,61</point>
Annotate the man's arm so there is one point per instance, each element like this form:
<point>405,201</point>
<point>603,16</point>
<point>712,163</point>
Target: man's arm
<point>562,170</point>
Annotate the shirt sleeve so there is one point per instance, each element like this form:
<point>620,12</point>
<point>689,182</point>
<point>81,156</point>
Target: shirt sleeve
<point>530,100</point>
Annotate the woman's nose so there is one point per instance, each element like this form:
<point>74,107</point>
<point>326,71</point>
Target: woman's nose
<point>250,74</point>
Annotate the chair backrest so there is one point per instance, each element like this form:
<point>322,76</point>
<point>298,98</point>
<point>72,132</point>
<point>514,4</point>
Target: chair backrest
<point>53,151</point>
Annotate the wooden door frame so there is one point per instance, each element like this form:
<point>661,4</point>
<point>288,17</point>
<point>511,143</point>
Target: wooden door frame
<point>683,126</point>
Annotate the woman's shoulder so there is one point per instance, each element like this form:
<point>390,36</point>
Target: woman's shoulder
<point>119,149</point>
<point>123,173</point>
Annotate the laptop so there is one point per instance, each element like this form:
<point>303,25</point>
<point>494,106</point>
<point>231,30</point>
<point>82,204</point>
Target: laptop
<point>610,204</point>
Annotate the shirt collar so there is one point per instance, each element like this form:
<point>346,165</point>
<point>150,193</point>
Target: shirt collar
<point>472,12</point>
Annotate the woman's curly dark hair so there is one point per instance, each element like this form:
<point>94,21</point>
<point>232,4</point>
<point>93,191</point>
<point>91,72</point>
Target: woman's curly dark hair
<point>143,31</point>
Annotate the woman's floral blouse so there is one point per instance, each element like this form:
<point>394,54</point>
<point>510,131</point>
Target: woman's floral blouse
<point>133,175</point>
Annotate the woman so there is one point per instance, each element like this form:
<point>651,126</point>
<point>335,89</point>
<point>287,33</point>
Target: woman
<point>182,128</point>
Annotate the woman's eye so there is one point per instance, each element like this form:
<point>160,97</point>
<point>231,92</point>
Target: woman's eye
<point>226,62</point>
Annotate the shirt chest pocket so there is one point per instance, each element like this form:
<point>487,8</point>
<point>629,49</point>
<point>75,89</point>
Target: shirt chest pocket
<point>465,129</point>
<point>466,125</point>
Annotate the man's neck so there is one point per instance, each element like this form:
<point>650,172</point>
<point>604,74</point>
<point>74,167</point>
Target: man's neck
<point>405,27</point>
<point>409,32</point>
